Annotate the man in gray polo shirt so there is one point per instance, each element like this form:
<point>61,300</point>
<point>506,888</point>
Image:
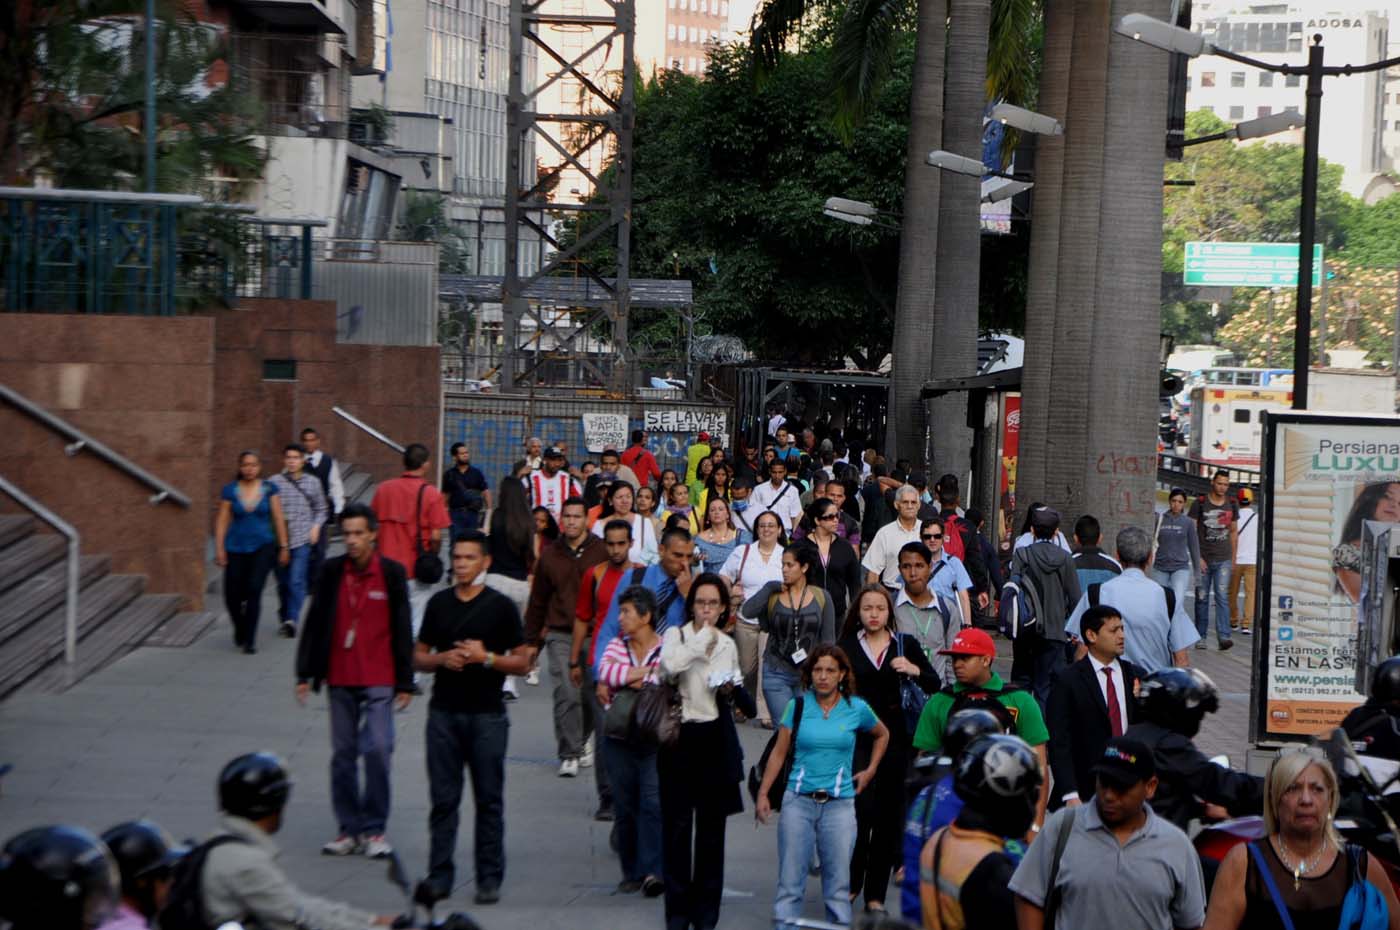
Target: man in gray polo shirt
<point>1152,638</point>
<point>1123,866</point>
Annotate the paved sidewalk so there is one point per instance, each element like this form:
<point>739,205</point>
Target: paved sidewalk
<point>147,737</point>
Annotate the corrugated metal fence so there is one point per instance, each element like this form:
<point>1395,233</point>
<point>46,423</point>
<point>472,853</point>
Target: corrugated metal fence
<point>495,426</point>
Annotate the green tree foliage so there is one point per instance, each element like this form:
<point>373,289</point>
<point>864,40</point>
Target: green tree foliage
<point>73,86</point>
<point>425,220</point>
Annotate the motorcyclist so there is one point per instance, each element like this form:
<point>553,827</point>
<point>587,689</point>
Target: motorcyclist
<point>240,880</point>
<point>1374,727</point>
<point>145,856</point>
<point>57,878</point>
<point>937,803</point>
<point>1172,703</point>
<point>965,868</point>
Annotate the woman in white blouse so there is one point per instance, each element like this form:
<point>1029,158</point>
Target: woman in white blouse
<point>618,504</point>
<point>748,568</point>
<point>700,775</point>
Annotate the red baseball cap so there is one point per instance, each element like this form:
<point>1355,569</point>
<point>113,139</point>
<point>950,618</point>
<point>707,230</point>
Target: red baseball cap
<point>704,436</point>
<point>970,642</point>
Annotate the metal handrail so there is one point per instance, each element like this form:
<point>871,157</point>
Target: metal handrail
<point>70,595</point>
<point>356,421</point>
<point>81,441</point>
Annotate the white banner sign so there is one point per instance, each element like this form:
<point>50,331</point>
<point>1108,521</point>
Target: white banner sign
<point>688,422</point>
<point>604,431</point>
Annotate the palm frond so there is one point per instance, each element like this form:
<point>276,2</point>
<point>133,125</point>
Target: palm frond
<point>773,26</point>
<point>1013,51</point>
<point>861,56</point>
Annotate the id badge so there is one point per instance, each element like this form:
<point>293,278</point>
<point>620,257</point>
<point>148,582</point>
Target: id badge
<point>350,638</point>
<point>799,656</point>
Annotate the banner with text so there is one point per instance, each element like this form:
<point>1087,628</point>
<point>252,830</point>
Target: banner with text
<point>688,421</point>
<point>1324,477</point>
<point>604,431</point>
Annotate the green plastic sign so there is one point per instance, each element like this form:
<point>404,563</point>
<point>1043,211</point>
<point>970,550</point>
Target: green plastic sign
<point>1246,264</point>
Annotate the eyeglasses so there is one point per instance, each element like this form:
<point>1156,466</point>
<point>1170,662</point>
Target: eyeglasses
<point>708,602</point>
<point>927,536</point>
<point>828,516</point>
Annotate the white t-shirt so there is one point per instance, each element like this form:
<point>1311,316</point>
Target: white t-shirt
<point>785,501</point>
<point>882,557</point>
<point>1247,551</point>
<point>756,573</point>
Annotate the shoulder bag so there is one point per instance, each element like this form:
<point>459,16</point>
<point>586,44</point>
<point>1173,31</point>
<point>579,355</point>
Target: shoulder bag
<point>1053,898</point>
<point>911,697</point>
<point>775,790</point>
<point>656,718</point>
<point>427,565</point>
<point>617,720</point>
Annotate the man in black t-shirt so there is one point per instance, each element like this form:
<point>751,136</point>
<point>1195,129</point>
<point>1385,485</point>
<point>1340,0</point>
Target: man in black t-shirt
<point>467,491</point>
<point>470,640</point>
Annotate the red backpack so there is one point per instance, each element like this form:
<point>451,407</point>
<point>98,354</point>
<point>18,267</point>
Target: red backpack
<point>953,536</point>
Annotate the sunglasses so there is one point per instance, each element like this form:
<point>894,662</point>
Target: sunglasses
<point>828,516</point>
<point>928,536</point>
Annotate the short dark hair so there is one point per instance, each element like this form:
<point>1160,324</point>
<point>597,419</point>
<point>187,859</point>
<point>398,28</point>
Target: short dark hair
<point>947,489</point>
<point>610,452</point>
<point>1087,530</point>
<point>617,525</point>
<point>974,516</point>
<point>574,501</point>
<point>308,429</point>
<point>778,463</point>
<point>637,436</point>
<point>455,447</point>
<point>357,509</point>
<point>1095,617</point>
<point>1220,473</point>
<point>472,536</point>
<point>415,456</point>
<point>293,447</point>
<point>915,548</point>
<point>1178,492</point>
<point>673,533</point>
<point>642,599</point>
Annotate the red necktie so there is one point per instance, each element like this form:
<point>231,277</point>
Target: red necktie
<point>1115,716</point>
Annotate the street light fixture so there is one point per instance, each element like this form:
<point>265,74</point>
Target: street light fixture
<point>1027,120</point>
<point>855,212</point>
<point>1004,189</point>
<point>1252,129</point>
<point>958,164</point>
<point>1171,38</point>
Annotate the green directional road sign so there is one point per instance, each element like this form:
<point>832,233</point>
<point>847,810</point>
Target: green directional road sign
<point>1246,264</point>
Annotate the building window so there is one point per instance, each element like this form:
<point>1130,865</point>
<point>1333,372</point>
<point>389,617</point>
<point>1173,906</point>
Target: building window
<point>279,369</point>
<point>1237,113</point>
<point>1207,78</point>
<point>1266,79</point>
<point>724,8</point>
<point>1292,80</point>
<point>1263,111</point>
<point>1236,78</point>
<point>704,6</point>
<point>671,31</point>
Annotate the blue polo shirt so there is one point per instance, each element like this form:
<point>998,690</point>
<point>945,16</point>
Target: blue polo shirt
<point>951,578</point>
<point>825,744</point>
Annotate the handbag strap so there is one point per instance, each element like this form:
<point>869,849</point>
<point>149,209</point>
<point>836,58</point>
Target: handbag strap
<point>1266,874</point>
<point>418,546</point>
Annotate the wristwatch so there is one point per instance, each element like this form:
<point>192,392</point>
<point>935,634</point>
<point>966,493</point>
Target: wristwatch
<point>490,659</point>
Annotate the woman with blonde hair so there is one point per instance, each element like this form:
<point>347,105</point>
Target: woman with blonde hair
<point>1299,876</point>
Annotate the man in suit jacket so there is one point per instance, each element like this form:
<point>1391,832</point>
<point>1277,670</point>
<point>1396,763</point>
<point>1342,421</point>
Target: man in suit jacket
<point>1091,702</point>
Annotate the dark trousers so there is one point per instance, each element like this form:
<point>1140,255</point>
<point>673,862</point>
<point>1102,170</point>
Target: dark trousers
<point>244,577</point>
<point>362,727</point>
<point>464,520</point>
<point>637,803</point>
<point>879,831</point>
<point>318,555</point>
<point>1034,664</point>
<point>478,743</point>
<point>593,723</point>
<point>692,844</point>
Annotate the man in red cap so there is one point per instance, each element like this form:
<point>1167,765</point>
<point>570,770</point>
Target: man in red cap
<point>699,449</point>
<point>976,686</point>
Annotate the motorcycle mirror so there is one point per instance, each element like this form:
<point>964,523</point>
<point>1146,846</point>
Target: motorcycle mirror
<point>1222,760</point>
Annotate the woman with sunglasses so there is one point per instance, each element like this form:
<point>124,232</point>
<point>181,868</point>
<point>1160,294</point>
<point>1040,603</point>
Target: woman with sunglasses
<point>838,567</point>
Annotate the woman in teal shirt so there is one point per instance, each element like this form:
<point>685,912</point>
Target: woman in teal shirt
<point>819,803</point>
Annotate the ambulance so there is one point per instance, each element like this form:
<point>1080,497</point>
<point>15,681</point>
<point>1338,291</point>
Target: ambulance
<point>1227,422</point>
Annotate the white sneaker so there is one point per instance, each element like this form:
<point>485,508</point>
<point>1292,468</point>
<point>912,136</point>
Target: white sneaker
<point>342,846</point>
<point>585,761</point>
<point>377,847</point>
<point>533,678</point>
<point>568,768</point>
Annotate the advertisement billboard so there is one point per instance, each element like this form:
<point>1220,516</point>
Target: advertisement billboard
<point>1324,477</point>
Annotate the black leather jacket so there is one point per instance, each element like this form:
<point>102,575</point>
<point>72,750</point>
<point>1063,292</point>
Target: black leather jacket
<point>1184,773</point>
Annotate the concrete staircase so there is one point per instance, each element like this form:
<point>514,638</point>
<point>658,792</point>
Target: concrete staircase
<point>115,615</point>
<point>359,487</point>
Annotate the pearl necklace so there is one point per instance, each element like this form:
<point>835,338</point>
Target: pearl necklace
<point>1301,866</point>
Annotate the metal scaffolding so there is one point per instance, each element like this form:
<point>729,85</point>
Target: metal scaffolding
<point>603,116</point>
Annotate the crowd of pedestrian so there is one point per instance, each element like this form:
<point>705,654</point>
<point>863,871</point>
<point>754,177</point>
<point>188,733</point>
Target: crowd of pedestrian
<point>802,587</point>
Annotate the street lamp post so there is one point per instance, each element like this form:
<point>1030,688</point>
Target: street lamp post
<point>1172,38</point>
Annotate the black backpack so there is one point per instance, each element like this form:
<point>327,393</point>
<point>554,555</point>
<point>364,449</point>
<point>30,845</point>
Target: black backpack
<point>184,907</point>
<point>978,699</point>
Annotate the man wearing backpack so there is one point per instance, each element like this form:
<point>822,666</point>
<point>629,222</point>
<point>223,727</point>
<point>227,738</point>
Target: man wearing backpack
<point>1039,652</point>
<point>961,538</point>
<point>1155,626</point>
<point>235,877</point>
<point>977,687</point>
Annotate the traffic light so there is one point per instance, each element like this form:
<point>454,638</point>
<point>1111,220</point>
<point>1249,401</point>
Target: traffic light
<point>1170,384</point>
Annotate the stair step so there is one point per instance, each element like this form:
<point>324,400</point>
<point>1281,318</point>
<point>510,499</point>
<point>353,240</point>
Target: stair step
<point>41,593</point>
<point>28,557</point>
<point>14,527</point>
<point>183,629</point>
<point>359,486</point>
<point>122,632</point>
<point>26,655</point>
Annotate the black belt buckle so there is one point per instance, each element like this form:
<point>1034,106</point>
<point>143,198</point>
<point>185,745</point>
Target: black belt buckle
<point>821,797</point>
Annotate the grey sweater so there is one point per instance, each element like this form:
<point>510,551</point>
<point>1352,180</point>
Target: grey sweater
<point>1177,545</point>
<point>790,630</point>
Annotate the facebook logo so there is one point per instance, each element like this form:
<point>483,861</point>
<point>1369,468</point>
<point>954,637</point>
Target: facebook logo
<point>1285,634</point>
<point>1285,603</point>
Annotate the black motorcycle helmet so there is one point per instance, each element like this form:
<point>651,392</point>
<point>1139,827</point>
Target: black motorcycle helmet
<point>1385,686</point>
<point>254,786</point>
<point>57,878</point>
<point>1178,699</point>
<point>998,777</point>
<point>145,854</point>
<point>965,726</point>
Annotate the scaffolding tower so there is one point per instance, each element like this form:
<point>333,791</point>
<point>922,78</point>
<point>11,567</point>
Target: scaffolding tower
<point>600,116</point>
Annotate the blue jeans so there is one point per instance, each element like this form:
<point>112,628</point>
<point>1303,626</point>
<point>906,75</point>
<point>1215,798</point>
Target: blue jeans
<point>1215,581</point>
<point>636,793</point>
<point>477,741</point>
<point>1181,582</point>
<point>291,583</point>
<point>362,726</point>
<point>830,827</point>
<point>781,683</point>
